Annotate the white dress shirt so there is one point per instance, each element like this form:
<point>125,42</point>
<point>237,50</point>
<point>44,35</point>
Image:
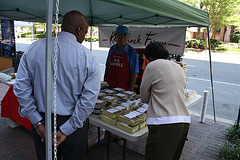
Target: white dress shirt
<point>78,81</point>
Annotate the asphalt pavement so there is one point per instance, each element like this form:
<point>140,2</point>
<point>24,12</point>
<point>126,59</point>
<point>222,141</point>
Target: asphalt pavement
<point>226,82</point>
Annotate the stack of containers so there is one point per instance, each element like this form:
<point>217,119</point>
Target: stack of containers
<point>124,110</point>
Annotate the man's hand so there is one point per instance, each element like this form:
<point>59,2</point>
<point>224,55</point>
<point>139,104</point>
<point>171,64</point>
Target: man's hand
<point>60,137</point>
<point>41,132</point>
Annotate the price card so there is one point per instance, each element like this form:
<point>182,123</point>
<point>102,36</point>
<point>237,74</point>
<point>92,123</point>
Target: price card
<point>120,95</point>
<point>118,89</point>
<point>132,114</point>
<point>112,110</point>
<point>136,113</point>
<point>108,91</point>
<point>109,97</point>
<point>141,110</point>
<point>99,101</point>
<point>129,92</point>
<point>120,107</point>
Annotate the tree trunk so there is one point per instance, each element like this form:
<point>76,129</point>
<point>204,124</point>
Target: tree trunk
<point>198,32</point>
<point>222,33</point>
<point>227,34</point>
<point>213,31</point>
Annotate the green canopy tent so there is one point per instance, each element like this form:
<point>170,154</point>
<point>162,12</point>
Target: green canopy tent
<point>109,12</point>
<point>106,13</point>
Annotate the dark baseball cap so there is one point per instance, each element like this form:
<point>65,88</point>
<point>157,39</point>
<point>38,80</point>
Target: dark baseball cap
<point>122,30</point>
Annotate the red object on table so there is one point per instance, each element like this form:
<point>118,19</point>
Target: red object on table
<point>10,107</point>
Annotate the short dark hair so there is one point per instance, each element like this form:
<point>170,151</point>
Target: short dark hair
<point>156,50</point>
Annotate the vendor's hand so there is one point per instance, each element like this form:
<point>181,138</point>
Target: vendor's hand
<point>131,89</point>
<point>60,137</point>
<point>41,132</point>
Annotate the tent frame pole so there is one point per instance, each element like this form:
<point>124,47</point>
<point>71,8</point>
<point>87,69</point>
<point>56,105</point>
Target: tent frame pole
<point>91,39</point>
<point>48,123</point>
<point>211,73</point>
<point>91,20</point>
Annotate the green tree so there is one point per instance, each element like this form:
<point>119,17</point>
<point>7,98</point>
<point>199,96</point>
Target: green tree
<point>219,11</point>
<point>38,25</point>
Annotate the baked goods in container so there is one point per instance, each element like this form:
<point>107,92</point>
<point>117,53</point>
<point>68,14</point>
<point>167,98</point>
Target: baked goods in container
<point>100,102</point>
<point>98,106</point>
<point>104,85</point>
<point>108,120</point>
<point>120,108</point>
<point>142,125</point>
<point>118,89</point>
<point>5,77</point>
<point>109,99</point>
<point>189,94</point>
<point>132,118</point>
<point>126,105</point>
<point>142,110</point>
<point>130,95</point>
<point>120,95</point>
<point>101,95</point>
<point>109,92</point>
<point>126,127</point>
<point>110,112</point>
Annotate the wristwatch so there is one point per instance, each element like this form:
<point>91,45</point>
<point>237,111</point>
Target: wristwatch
<point>38,123</point>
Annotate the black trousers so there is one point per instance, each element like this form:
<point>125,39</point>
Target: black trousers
<point>166,142</point>
<point>74,147</point>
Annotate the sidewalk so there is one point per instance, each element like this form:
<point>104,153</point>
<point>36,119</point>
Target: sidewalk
<point>204,142</point>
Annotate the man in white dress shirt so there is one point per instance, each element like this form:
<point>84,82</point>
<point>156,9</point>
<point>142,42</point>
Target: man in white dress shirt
<point>78,85</point>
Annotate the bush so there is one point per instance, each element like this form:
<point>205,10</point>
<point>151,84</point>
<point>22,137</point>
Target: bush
<point>200,43</point>
<point>233,133</point>
<point>221,48</point>
<point>215,43</point>
<point>88,38</point>
<point>235,38</point>
<point>40,35</point>
<point>231,149</point>
<point>25,34</point>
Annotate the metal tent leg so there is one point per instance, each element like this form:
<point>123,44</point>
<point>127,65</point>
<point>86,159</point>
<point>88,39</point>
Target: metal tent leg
<point>210,62</point>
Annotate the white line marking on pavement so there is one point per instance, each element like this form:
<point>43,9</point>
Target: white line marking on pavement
<point>189,65</point>
<point>207,80</point>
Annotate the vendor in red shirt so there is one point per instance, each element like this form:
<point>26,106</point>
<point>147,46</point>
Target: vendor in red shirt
<point>122,64</point>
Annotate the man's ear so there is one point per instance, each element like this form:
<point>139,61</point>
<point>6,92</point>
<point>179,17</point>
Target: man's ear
<point>79,30</point>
